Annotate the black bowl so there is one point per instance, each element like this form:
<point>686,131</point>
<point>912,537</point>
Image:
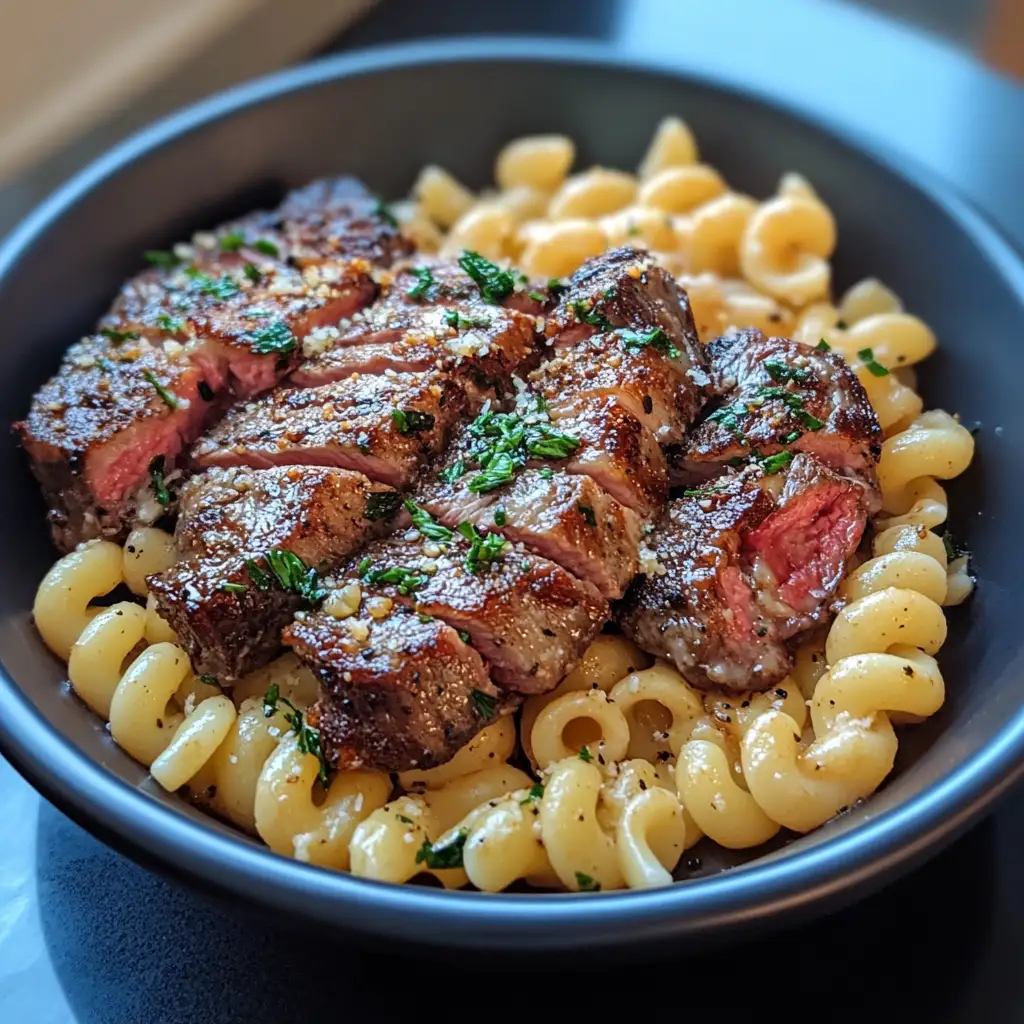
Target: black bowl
<point>381,115</point>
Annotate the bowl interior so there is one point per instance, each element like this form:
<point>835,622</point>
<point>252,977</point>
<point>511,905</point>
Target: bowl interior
<point>383,124</point>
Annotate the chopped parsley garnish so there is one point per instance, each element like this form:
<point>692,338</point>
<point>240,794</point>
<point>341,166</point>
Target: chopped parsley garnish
<point>464,636</point>
<point>119,336</point>
<point>586,883</point>
<point>404,580</point>
<point>170,323</point>
<point>209,680</point>
<point>216,287</point>
<point>381,210</point>
<point>781,372</point>
<point>585,754</point>
<point>427,524</point>
<point>170,399</point>
<point>411,421</point>
<point>793,435</point>
<point>586,315</point>
<point>507,441</point>
<point>483,548</point>
<point>424,282</point>
<point>159,484</point>
<point>252,272</point>
<point>499,516</point>
<point>309,738</point>
<point>293,574</point>
<point>483,704</point>
<point>656,338</point>
<point>424,619</point>
<point>874,367</point>
<point>588,514</point>
<point>794,403</point>
<point>953,549</point>
<point>381,505</point>
<point>823,346</point>
<point>453,472</point>
<point>535,793</point>
<point>232,242</point>
<point>773,464</point>
<point>445,854</point>
<point>275,337</point>
<point>161,258</point>
<point>453,318</point>
<point>536,297</point>
<point>494,283</point>
<point>234,588</point>
<point>265,246</point>
<point>703,492</point>
<point>260,579</point>
<point>556,286</point>
<point>105,364</point>
<point>404,819</point>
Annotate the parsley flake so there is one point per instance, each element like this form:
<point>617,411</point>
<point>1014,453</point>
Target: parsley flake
<point>381,210</point>
<point>585,754</point>
<point>232,242</point>
<point>159,484</point>
<point>209,680</point>
<point>170,399</point>
<point>453,318</point>
<point>170,323</point>
<point>405,581</point>
<point>773,464</point>
<point>293,574</point>
<point>161,258</point>
<point>453,472</point>
<point>781,372</point>
<point>586,883</point>
<point>499,516</point>
<point>874,367</point>
<point>656,338</point>
<point>535,793</point>
<point>276,337</point>
<point>216,287</point>
<point>381,505</point>
<point>427,524</point>
<point>588,514</point>
<point>581,309</point>
<point>483,704</point>
<point>265,246</point>
<point>424,282</point>
<point>483,548</point>
<point>309,738</point>
<point>252,272</point>
<point>260,579</point>
<point>494,283</point>
<point>119,336</point>
<point>823,346</point>
<point>411,421</point>
<point>444,854</point>
<point>234,588</point>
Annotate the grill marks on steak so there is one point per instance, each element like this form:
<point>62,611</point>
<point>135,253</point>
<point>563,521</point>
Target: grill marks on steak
<point>777,394</point>
<point>228,614</point>
<point>746,568</point>
<point>228,322</point>
<point>383,426</point>
<point>526,615</point>
<point>397,693</point>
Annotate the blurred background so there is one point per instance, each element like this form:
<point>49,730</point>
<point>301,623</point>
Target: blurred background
<point>77,76</point>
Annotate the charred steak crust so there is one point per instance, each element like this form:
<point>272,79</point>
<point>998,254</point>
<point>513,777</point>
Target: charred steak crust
<point>224,600</point>
<point>777,394</point>
<point>405,693</point>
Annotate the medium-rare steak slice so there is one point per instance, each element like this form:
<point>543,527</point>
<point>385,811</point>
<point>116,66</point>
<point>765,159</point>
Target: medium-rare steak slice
<point>235,590</point>
<point>400,692</point>
<point>529,618</point>
<point>747,563</point>
<point>625,289</point>
<point>383,426</point>
<point>475,339</point>
<point>622,365</point>
<point>777,394</point>
<point>697,610</point>
<point>105,432</point>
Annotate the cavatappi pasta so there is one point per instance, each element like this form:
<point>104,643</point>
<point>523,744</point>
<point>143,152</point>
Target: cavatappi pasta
<point>629,765</point>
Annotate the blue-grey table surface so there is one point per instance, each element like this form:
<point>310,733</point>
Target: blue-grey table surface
<point>87,936</point>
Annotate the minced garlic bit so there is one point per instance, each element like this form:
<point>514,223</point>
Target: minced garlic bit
<point>379,607</point>
<point>359,630</point>
<point>649,564</point>
<point>344,602</point>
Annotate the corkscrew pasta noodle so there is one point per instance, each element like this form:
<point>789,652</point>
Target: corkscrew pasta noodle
<point>631,766</point>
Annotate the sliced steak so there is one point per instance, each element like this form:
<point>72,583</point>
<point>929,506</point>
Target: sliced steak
<point>748,562</point>
<point>383,426</point>
<point>528,617</point>
<point>625,289</point>
<point>226,601</point>
<point>777,394</point>
<point>115,411</point>
<point>612,365</point>
<point>475,339</point>
<point>565,517</point>
<point>401,692</point>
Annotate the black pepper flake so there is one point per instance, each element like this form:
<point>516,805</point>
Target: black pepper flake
<point>648,405</point>
<point>781,693</point>
<point>643,785</point>
<point>908,671</point>
<point>693,864</point>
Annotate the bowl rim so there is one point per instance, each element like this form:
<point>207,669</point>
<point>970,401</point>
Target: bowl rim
<point>839,868</point>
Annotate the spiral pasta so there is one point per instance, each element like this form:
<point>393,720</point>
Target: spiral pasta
<point>631,766</point>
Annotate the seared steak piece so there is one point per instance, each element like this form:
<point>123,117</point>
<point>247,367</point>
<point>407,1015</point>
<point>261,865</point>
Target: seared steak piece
<point>227,600</point>
<point>742,571</point>
<point>777,394</point>
<point>624,289</point>
<point>641,378</point>
<point>400,692</point>
<point>475,339</point>
<point>618,452</point>
<point>383,426</point>
<point>564,517</point>
<point>226,314</point>
<point>528,617</point>
<point>116,411</point>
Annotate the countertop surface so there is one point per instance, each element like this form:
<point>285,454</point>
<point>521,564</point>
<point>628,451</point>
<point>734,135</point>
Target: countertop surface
<point>87,936</point>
